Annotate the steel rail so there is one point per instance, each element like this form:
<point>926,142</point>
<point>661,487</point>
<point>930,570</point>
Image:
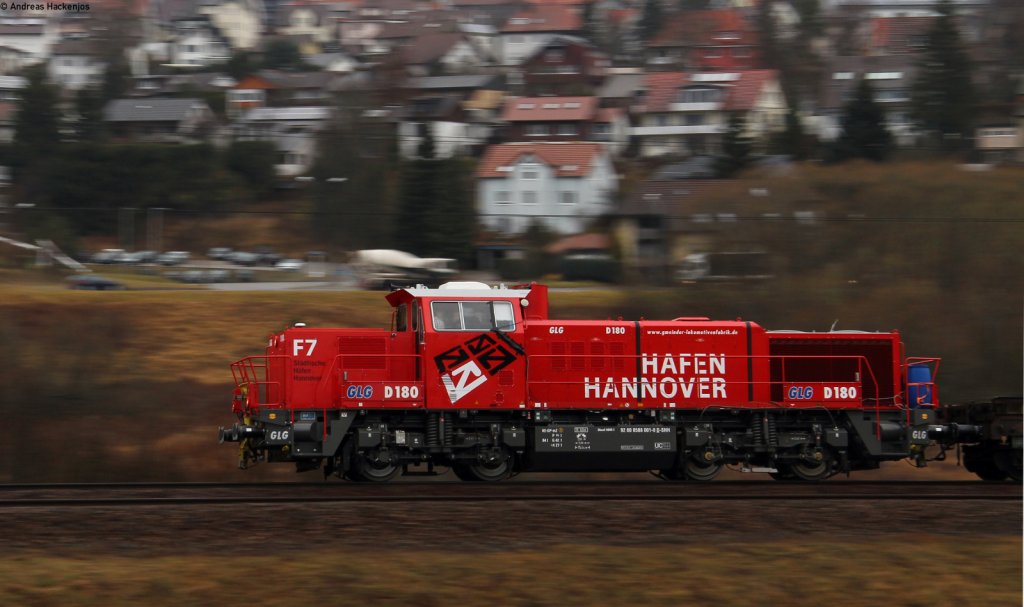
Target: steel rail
<point>281,493</point>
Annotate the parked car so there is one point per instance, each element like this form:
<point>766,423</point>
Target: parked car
<point>137,257</point>
<point>244,258</point>
<point>219,253</point>
<point>93,282</point>
<point>267,256</point>
<point>173,258</point>
<point>107,256</point>
<point>290,265</point>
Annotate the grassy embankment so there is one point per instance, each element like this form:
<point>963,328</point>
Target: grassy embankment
<point>982,571</point>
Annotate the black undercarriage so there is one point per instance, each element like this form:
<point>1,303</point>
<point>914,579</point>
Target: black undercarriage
<point>491,445</point>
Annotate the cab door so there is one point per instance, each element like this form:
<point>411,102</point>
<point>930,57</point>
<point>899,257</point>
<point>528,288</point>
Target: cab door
<point>473,356</point>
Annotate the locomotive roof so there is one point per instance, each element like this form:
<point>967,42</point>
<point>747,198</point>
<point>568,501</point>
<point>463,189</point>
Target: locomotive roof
<point>457,291</point>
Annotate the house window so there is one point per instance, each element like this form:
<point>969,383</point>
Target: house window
<point>554,55</point>
<point>567,129</point>
<point>529,173</point>
<point>536,130</point>
<point>694,119</point>
<point>699,95</point>
<point>889,95</point>
<point>529,197</point>
<point>568,197</point>
<point>502,197</point>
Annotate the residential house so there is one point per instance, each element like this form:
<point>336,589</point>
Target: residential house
<point>156,120</point>
<point>292,130</point>
<point>709,40</point>
<point>563,186</point>
<point>534,26</point>
<point>74,64</point>
<point>620,89</point>
<point>13,60</point>
<point>28,39</point>
<point>549,118</point>
<point>278,88</point>
<point>459,113</point>
<point>437,53</point>
<point>10,93</point>
<point>565,119</point>
<point>311,25</point>
<point>197,43</point>
<point>564,65</point>
<point>896,35</point>
<point>240,22</point>
<point>681,211</point>
<point>891,78</point>
<point>999,142</point>
<point>681,113</point>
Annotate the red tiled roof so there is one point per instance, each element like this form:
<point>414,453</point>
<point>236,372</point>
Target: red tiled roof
<point>705,28</point>
<point>741,93</point>
<point>580,242</point>
<point>544,18</point>
<point>533,109</point>
<point>661,87</point>
<point>568,159</point>
<point>896,34</point>
<point>608,114</point>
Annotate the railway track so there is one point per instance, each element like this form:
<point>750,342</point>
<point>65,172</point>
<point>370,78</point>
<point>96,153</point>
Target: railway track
<point>174,494</point>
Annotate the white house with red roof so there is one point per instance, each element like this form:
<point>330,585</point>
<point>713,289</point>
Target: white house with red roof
<point>687,114</point>
<point>564,186</point>
<point>565,119</point>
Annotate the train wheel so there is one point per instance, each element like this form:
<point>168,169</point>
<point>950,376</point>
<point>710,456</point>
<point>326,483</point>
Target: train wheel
<point>983,463</point>
<point>491,465</point>
<point>700,470</point>
<point>1009,462</point>
<point>373,469</point>
<point>815,470</point>
<point>462,473</point>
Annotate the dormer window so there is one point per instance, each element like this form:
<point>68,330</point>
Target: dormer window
<point>699,95</point>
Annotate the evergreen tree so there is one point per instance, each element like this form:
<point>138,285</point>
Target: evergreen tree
<point>943,95</point>
<point>456,217</point>
<point>863,131</point>
<point>418,209</point>
<point>282,54</point>
<point>36,128</point>
<point>353,192</point>
<point>89,124</point>
<point>792,141</point>
<point>651,19</point>
<point>736,147</point>
<point>426,149</point>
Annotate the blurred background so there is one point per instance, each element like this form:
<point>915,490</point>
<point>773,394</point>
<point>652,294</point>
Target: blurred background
<point>178,180</point>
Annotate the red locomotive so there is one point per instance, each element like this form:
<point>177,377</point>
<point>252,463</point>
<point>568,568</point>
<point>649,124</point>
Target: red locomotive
<point>482,381</point>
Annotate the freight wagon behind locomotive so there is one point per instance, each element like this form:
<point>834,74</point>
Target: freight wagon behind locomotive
<point>482,381</point>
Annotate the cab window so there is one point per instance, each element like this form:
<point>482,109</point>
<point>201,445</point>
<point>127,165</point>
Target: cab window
<point>472,315</point>
<point>402,318</point>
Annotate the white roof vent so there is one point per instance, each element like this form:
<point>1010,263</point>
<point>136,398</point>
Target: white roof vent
<point>464,286</point>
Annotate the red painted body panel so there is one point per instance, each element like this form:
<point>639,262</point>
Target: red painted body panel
<point>533,362</point>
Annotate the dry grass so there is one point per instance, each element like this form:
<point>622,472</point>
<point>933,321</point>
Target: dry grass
<point>917,570</point>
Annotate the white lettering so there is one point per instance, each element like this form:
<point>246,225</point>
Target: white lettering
<point>297,346</point>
